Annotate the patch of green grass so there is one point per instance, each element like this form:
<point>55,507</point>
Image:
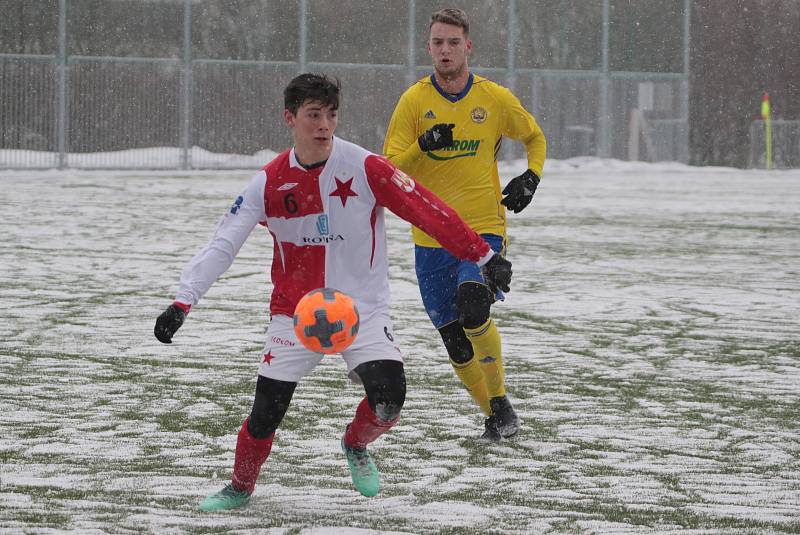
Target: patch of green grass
<point>38,431</point>
<point>43,519</point>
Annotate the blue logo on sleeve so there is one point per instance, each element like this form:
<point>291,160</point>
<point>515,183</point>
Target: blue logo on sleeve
<point>237,204</point>
<point>322,225</point>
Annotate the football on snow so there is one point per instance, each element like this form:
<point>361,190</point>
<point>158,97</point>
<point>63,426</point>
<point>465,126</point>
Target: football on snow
<point>326,320</point>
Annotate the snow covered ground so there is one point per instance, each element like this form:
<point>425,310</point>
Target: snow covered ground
<point>652,341</point>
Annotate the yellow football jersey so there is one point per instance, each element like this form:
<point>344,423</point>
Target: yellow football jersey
<point>464,176</point>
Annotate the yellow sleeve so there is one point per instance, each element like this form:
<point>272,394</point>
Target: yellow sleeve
<point>400,146</point>
<point>520,125</point>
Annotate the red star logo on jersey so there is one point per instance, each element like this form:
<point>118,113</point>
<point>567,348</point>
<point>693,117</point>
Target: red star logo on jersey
<point>343,190</point>
<point>268,356</point>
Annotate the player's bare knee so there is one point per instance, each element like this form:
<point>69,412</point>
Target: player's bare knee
<point>474,302</point>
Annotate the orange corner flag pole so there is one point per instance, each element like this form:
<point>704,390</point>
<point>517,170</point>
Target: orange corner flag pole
<point>766,115</point>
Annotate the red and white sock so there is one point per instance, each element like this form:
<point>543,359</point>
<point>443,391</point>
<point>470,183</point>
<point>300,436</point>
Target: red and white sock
<point>366,427</point>
<point>251,453</point>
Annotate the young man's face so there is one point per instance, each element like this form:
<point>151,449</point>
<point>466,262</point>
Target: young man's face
<point>449,48</point>
<point>312,127</point>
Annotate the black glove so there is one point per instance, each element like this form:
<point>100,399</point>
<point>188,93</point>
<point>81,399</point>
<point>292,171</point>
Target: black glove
<point>437,137</point>
<point>519,192</point>
<point>168,322</point>
<point>497,273</point>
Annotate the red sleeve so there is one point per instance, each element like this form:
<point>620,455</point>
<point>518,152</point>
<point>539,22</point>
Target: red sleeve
<point>416,204</point>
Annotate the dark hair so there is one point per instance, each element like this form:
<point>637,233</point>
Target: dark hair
<point>452,16</point>
<point>313,87</point>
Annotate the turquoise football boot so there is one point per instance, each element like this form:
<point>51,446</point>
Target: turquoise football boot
<point>362,469</point>
<point>227,498</point>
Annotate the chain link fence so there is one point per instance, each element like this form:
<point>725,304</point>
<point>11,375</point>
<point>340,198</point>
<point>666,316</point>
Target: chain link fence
<point>148,84</point>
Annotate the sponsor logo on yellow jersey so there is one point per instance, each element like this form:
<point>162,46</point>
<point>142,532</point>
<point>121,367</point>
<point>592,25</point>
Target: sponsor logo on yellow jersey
<point>464,148</point>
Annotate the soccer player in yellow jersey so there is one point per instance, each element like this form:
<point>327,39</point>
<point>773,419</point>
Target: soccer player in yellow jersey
<point>445,132</point>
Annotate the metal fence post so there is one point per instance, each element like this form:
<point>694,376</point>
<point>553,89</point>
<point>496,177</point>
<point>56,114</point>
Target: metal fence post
<point>186,93</point>
<point>61,95</point>
<point>685,82</point>
<point>412,39</point>
<point>511,73</point>
<point>512,37</point>
<point>301,60</point>
<point>604,136</point>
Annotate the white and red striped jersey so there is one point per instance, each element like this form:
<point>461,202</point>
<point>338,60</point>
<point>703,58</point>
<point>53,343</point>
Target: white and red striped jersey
<point>327,225</point>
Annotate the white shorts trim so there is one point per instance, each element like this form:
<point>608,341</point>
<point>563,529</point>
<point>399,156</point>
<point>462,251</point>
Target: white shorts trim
<point>284,358</point>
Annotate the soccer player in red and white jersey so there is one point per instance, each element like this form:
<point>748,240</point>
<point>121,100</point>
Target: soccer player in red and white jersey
<point>323,203</point>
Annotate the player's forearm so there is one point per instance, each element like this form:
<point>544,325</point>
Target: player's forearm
<point>536,149</point>
<point>204,270</point>
<point>414,203</point>
<point>405,159</point>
